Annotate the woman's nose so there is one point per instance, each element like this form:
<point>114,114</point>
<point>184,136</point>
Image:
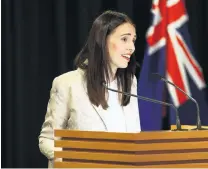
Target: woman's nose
<point>131,48</point>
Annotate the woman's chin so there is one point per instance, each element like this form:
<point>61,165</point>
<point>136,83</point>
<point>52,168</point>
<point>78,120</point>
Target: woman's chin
<point>123,66</point>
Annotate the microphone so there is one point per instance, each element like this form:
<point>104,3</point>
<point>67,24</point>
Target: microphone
<point>178,124</point>
<point>198,124</point>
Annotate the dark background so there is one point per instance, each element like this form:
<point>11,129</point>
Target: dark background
<point>40,39</point>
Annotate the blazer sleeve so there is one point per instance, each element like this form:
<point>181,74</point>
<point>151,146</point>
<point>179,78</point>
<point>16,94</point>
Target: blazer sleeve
<point>56,116</point>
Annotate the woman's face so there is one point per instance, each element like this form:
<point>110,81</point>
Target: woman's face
<point>120,45</point>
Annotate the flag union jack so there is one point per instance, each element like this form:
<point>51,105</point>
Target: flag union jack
<point>168,17</point>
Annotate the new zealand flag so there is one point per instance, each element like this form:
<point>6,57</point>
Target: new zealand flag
<point>169,53</point>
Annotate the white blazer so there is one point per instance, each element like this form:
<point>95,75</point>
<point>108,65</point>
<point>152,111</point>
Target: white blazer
<point>70,108</point>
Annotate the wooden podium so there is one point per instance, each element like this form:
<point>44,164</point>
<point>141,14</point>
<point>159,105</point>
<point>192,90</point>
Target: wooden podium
<point>86,149</point>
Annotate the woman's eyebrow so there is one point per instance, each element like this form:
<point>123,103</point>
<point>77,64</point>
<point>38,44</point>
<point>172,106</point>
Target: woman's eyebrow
<point>129,34</point>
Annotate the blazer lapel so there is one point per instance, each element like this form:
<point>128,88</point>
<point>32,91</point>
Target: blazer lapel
<point>99,110</point>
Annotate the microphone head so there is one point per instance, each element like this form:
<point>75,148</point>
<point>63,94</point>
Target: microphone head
<point>138,65</point>
<point>157,76</point>
<point>103,83</point>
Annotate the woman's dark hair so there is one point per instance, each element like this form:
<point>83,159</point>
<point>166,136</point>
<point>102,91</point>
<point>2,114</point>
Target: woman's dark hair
<point>97,68</point>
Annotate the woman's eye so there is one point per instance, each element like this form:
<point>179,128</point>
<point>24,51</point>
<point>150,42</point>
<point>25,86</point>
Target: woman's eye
<point>124,39</point>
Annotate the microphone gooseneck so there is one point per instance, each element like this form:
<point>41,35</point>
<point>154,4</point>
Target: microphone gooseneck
<point>198,123</point>
<point>178,124</point>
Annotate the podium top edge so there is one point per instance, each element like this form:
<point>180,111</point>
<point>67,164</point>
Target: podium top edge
<point>131,136</point>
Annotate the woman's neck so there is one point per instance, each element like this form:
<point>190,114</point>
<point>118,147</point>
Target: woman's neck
<point>113,73</point>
